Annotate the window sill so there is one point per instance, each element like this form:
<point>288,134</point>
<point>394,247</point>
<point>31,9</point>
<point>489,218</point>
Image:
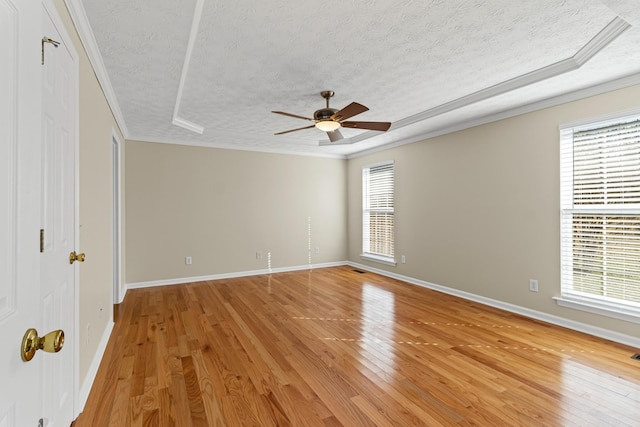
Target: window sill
<point>599,307</point>
<point>379,259</point>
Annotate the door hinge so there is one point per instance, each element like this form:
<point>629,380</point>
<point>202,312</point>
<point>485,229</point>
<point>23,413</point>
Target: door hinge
<point>42,240</point>
<point>47,40</point>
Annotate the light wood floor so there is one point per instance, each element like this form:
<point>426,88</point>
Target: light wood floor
<point>332,347</point>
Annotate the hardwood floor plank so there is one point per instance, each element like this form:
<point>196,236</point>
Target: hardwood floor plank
<point>178,398</point>
<point>164,409</point>
<point>206,387</point>
<point>119,415</point>
<point>331,347</point>
<point>151,418</point>
<point>140,358</point>
<point>194,393</point>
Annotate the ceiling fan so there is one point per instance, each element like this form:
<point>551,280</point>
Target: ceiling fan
<point>331,120</point>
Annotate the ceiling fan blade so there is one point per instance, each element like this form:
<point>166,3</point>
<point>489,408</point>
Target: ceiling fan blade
<point>349,111</point>
<point>335,135</point>
<point>293,115</point>
<point>293,130</point>
<point>381,126</point>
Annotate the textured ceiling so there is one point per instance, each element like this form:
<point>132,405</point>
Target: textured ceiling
<point>425,66</point>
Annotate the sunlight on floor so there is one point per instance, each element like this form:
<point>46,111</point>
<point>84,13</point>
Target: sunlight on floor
<point>376,330</point>
<point>611,393</point>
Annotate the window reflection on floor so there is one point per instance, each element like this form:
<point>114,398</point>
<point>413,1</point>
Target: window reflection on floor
<point>607,396</point>
<point>378,315</point>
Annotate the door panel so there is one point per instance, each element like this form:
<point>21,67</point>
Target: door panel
<point>58,218</point>
<point>20,116</point>
<point>37,290</point>
<point>8,154</point>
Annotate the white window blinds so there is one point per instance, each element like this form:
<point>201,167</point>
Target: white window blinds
<point>378,210</point>
<point>600,190</point>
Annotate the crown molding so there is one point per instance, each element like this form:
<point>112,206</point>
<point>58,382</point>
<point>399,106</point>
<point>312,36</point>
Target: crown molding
<point>87,38</point>
<point>328,143</point>
<point>195,25</point>
<point>186,124</point>
<point>621,83</point>
<point>609,33</point>
<point>236,147</point>
<point>615,28</point>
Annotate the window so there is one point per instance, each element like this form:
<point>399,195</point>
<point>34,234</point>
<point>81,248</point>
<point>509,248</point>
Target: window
<point>600,219</point>
<point>377,213</point>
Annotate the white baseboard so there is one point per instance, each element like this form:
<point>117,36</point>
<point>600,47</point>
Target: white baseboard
<point>85,389</point>
<point>122,294</point>
<point>177,281</point>
<point>534,314</point>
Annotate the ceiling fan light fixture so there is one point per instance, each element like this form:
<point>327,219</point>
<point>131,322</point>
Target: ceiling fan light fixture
<point>327,125</point>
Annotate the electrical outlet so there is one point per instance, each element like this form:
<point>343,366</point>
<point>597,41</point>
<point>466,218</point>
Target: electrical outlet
<point>258,255</point>
<point>188,260</point>
<point>317,249</point>
<point>533,285</point>
<point>403,259</point>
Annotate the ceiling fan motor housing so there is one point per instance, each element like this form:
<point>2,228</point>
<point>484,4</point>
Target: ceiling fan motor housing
<point>324,114</point>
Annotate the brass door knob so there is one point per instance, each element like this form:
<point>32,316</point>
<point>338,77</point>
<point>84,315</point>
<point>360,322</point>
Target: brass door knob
<point>31,342</point>
<point>73,256</point>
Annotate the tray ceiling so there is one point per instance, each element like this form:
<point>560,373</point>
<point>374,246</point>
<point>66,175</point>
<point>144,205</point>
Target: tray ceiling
<point>176,68</point>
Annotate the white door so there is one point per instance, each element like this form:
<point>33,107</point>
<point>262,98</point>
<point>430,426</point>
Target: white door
<point>20,116</point>
<point>57,284</point>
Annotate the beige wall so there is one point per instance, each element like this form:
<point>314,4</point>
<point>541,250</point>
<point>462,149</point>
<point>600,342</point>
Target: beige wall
<point>478,210</point>
<point>96,128</point>
<point>220,207</point>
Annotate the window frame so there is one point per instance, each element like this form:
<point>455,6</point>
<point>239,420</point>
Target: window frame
<point>387,259</point>
<point>603,305</point>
